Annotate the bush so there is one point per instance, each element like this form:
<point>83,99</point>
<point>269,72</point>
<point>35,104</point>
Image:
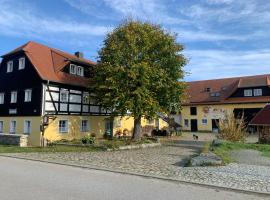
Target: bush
<point>88,139</point>
<point>232,129</point>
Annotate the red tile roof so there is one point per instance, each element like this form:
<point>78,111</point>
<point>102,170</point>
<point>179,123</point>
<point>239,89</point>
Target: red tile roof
<point>197,94</point>
<point>49,63</point>
<point>262,118</point>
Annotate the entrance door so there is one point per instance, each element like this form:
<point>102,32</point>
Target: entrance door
<point>109,127</point>
<point>194,125</point>
<point>215,123</point>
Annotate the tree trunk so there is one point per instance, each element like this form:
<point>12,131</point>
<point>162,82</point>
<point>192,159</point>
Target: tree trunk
<point>137,131</point>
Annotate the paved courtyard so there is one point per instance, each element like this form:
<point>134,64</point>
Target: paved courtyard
<point>167,161</point>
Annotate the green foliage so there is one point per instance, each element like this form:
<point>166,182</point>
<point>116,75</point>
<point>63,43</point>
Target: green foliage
<point>88,139</point>
<point>140,71</point>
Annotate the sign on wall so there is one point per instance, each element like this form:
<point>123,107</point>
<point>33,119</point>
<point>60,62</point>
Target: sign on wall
<point>214,113</point>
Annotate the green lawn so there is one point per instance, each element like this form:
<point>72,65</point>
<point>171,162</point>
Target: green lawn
<point>100,145</point>
<point>224,149</point>
<point>58,148</point>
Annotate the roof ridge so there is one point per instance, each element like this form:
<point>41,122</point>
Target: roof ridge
<point>237,77</point>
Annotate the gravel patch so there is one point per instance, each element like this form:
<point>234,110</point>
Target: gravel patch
<point>251,157</point>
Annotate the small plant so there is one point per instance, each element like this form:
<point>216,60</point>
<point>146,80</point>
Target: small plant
<point>232,129</point>
<point>88,139</point>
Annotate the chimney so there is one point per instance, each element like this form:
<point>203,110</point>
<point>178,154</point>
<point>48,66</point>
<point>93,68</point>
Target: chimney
<point>78,54</point>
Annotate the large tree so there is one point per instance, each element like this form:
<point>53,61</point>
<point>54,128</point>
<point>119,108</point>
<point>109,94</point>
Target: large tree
<point>139,72</point>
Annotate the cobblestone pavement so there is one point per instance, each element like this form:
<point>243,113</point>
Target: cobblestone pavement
<point>166,161</point>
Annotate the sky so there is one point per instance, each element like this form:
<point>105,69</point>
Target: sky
<point>222,38</point>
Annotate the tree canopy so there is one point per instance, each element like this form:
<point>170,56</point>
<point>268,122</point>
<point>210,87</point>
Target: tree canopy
<point>139,72</point>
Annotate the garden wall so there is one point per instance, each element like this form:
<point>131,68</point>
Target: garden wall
<point>14,139</point>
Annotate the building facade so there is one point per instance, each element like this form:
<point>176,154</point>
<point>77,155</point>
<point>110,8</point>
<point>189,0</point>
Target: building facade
<point>211,100</point>
<point>43,93</point>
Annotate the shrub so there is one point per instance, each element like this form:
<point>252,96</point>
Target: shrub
<point>88,139</point>
<point>93,135</point>
<point>232,129</point>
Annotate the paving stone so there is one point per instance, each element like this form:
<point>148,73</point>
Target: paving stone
<point>166,161</point>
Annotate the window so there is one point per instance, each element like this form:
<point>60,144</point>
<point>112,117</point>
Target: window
<point>186,123</point>
<point>72,69</point>
<point>27,127</point>
<point>204,121</point>
<point>12,127</point>
<point>12,111</point>
<point>1,126</point>
<point>13,97</point>
<point>84,126</point>
<point>257,92</point>
<point>63,126</point>
<point>248,93</point>
<point>2,98</point>
<point>86,98</point>
<point>27,95</point>
<point>207,89</point>
<point>21,63</point>
<point>9,66</point>
<point>193,111</point>
<point>64,96</point>
<point>215,94</point>
<point>80,71</point>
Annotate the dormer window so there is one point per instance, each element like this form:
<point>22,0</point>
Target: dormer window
<point>80,71</point>
<point>257,92</point>
<point>9,66</point>
<point>72,69</point>
<point>248,93</point>
<point>215,94</point>
<point>207,89</point>
<point>21,63</point>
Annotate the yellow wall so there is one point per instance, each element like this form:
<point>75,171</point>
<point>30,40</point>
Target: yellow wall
<point>128,123</point>
<point>34,137</point>
<point>96,125</point>
<point>215,112</point>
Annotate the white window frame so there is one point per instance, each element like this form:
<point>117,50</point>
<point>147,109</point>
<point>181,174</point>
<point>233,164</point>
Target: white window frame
<point>2,98</point>
<point>13,97</point>
<point>257,92</point>
<point>204,121</point>
<point>21,63</point>
<point>61,128</point>
<point>85,99</point>
<point>73,69</point>
<point>248,93</point>
<point>12,130</point>
<point>80,71</point>
<point>85,127</point>
<point>10,66</point>
<point>27,129</point>
<point>61,97</point>
<point>28,95</point>
<point>1,126</point>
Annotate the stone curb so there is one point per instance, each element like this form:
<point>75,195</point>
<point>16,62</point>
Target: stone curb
<point>263,194</point>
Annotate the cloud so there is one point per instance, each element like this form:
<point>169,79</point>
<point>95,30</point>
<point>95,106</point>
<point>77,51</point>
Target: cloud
<point>24,21</point>
<point>151,10</point>
<point>187,36</point>
<point>212,64</point>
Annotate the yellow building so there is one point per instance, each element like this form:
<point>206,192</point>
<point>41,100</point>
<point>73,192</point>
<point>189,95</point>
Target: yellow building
<point>209,101</point>
<point>44,92</point>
